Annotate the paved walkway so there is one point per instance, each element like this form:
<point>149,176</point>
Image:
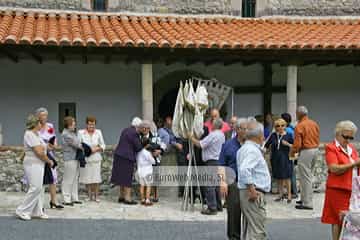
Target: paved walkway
<point>108,208</point>
<point>164,220</point>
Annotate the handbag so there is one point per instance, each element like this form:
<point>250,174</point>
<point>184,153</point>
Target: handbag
<point>48,176</point>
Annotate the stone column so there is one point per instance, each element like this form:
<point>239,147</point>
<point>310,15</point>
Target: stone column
<point>147,90</point>
<point>291,90</point>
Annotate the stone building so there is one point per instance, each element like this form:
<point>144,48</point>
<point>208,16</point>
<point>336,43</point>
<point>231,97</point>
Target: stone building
<point>116,59</point>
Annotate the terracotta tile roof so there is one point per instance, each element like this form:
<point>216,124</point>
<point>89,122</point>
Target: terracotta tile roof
<point>89,29</point>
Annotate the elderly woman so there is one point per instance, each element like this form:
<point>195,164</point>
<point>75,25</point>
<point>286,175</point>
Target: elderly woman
<point>47,133</point>
<point>71,143</point>
<point>124,159</point>
<point>34,162</point>
<point>343,165</point>
<point>90,175</point>
<point>279,143</point>
<point>211,148</point>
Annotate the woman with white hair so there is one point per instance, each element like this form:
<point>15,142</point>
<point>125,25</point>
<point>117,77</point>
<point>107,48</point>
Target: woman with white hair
<point>124,161</point>
<point>47,133</point>
<point>343,164</point>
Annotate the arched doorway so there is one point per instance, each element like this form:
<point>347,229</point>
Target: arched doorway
<point>166,90</point>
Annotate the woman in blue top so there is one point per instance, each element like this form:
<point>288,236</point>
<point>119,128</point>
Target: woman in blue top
<point>280,143</point>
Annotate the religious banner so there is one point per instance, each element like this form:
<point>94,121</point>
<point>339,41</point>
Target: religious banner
<point>217,91</point>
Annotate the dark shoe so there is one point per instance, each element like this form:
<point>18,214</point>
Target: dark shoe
<point>288,201</point>
<point>209,212</point>
<point>148,203</point>
<point>68,204</point>
<point>302,207</point>
<point>53,205</point>
<point>77,202</point>
<point>120,200</point>
<point>155,200</point>
<point>299,202</point>
<point>131,202</point>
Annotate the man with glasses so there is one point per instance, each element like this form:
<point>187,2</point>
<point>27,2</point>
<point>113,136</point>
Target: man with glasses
<point>306,143</point>
<point>231,192</point>
<point>253,182</point>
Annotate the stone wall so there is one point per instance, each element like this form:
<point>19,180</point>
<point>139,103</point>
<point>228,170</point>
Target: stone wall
<point>11,170</point>
<point>145,6</point>
<point>46,4</point>
<point>173,6</point>
<point>308,7</point>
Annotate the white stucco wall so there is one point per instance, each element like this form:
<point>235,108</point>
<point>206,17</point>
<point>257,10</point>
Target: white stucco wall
<point>331,94</point>
<point>109,92</point>
<point>112,92</point>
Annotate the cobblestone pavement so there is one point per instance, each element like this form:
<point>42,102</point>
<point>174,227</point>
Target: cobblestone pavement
<point>109,220</point>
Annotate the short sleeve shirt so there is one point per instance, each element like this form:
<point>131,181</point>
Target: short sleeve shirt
<point>211,145</point>
<point>31,140</point>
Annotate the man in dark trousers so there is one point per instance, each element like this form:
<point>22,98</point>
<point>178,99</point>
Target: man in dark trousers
<point>231,191</point>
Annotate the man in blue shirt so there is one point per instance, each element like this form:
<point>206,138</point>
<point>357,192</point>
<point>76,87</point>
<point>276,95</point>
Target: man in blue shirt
<point>254,181</point>
<point>231,192</point>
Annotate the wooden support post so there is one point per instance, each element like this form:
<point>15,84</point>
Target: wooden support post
<point>267,94</point>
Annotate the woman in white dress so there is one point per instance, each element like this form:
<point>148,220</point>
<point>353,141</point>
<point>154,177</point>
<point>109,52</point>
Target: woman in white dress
<point>34,162</point>
<point>91,174</point>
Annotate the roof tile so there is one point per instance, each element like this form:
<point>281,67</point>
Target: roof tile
<point>111,30</point>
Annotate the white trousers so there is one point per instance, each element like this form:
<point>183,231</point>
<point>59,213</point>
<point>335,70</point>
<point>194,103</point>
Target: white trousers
<point>70,183</point>
<point>32,205</point>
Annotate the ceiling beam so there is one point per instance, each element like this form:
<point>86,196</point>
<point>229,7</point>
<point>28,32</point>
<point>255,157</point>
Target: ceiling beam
<point>60,57</point>
<point>190,62</point>
<point>171,61</point>
<point>211,62</point>
<point>107,59</point>
<point>14,58</point>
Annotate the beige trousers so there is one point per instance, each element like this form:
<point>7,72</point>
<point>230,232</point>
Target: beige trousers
<point>305,165</point>
<point>254,214</point>
<point>70,183</point>
<point>32,205</point>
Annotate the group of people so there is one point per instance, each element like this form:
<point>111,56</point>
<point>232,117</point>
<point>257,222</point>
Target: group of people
<point>40,163</point>
<point>240,145</point>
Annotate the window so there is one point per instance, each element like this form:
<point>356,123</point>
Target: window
<point>65,110</point>
<point>248,8</point>
<point>99,5</point>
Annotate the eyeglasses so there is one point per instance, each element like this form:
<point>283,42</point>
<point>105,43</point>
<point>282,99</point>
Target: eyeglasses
<point>348,137</point>
<point>240,128</point>
<point>279,126</point>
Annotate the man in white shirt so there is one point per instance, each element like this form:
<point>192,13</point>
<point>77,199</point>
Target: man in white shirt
<point>253,181</point>
<point>210,149</point>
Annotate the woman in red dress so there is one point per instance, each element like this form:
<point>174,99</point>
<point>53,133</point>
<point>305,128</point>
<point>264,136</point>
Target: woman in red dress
<point>343,163</point>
